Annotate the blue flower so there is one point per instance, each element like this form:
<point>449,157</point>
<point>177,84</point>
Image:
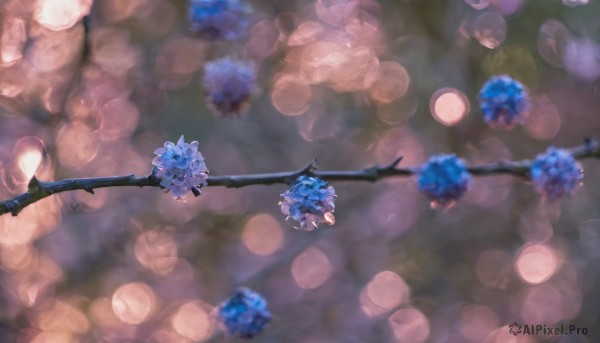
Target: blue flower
<point>218,19</point>
<point>310,201</point>
<point>504,102</point>
<point>444,179</point>
<point>229,84</point>
<point>244,314</point>
<point>556,173</point>
<point>180,168</point>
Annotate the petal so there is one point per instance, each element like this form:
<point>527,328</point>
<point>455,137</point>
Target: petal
<point>178,192</point>
<point>157,161</point>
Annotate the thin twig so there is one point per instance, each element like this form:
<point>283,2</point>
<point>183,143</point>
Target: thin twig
<point>38,190</point>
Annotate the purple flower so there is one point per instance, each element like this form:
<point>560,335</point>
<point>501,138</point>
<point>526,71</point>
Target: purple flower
<point>218,19</point>
<point>556,173</point>
<point>180,168</point>
<point>444,179</point>
<point>244,314</point>
<point>229,84</point>
<point>504,102</point>
<point>309,202</point>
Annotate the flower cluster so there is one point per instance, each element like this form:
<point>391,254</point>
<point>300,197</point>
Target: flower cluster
<point>556,173</point>
<point>229,84</point>
<point>309,201</point>
<point>244,314</point>
<point>504,102</point>
<point>444,179</point>
<point>180,168</point>
<point>218,19</point>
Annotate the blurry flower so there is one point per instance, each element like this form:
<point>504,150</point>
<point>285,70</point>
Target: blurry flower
<point>504,102</point>
<point>556,173</point>
<point>229,84</point>
<point>444,179</point>
<point>309,202</point>
<point>180,168</point>
<point>218,19</point>
<point>244,314</point>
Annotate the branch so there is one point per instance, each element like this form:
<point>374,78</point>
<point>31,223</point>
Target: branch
<point>38,190</point>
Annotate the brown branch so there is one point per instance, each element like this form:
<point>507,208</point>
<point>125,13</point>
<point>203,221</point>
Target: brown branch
<point>38,190</point>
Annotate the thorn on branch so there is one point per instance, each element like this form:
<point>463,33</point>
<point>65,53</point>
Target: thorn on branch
<point>89,190</point>
<point>34,185</point>
<point>309,168</point>
<point>394,163</point>
<point>376,171</point>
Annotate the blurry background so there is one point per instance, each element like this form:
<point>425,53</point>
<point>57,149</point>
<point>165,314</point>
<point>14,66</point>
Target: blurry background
<point>352,83</point>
